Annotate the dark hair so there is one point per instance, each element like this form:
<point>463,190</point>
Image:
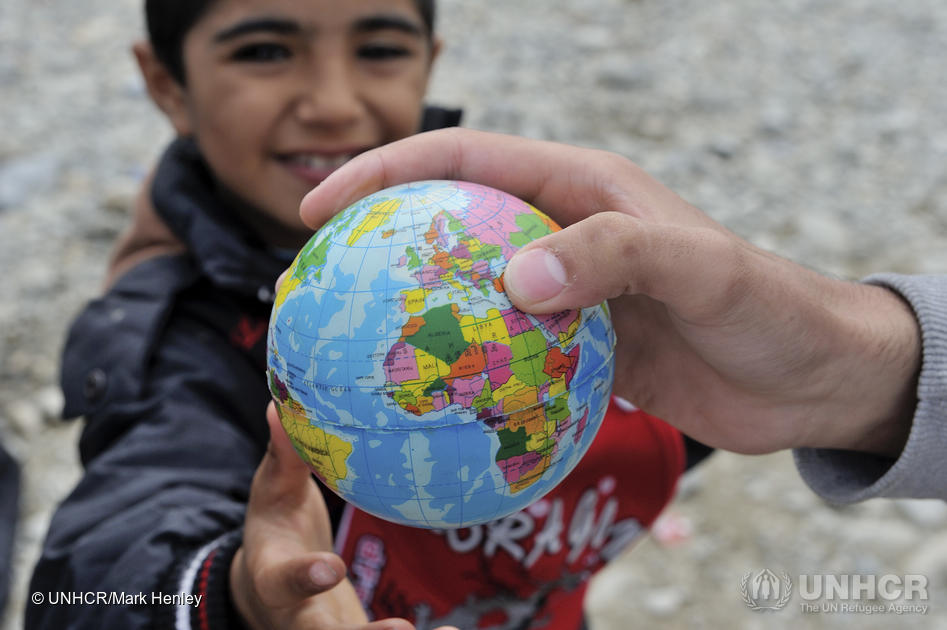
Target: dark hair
<point>170,20</point>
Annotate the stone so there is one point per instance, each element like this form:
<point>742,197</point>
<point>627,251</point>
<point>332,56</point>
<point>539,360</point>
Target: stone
<point>49,401</point>
<point>928,513</point>
<point>664,601</point>
<point>25,416</point>
<point>27,176</point>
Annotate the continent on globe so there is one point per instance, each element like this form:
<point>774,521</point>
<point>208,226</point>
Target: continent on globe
<point>407,380</point>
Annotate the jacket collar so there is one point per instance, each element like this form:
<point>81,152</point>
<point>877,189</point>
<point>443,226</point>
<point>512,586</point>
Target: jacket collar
<point>185,196</point>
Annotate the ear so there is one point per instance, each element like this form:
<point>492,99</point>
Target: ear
<point>436,47</point>
<point>165,91</point>
<point>437,44</point>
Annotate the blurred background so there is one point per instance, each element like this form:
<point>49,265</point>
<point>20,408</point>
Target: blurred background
<point>814,129</point>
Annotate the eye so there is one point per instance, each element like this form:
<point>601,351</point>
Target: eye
<point>266,52</point>
<point>383,52</point>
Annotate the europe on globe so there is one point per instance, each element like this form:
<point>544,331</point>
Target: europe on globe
<point>407,380</point>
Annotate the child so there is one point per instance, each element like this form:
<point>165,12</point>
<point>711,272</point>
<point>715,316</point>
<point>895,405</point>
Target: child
<point>267,97</point>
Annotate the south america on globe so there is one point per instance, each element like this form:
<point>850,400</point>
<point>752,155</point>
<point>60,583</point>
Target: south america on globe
<point>407,380</point>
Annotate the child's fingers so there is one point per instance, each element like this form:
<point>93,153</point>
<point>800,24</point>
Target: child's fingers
<point>282,476</point>
<point>290,580</point>
<point>279,281</point>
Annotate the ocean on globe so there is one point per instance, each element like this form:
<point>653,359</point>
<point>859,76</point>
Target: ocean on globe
<point>407,380</point>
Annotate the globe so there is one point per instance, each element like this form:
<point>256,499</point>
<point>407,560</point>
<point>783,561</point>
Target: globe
<point>406,379</point>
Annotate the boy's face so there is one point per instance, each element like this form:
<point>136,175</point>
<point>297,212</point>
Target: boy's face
<point>281,92</point>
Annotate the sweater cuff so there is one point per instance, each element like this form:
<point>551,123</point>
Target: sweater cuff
<point>202,584</point>
<point>920,471</point>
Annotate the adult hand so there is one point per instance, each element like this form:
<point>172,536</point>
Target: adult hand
<point>737,347</point>
<point>285,576</point>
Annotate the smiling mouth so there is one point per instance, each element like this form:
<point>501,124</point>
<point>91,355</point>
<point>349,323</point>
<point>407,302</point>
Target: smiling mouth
<point>318,162</point>
<point>313,168</point>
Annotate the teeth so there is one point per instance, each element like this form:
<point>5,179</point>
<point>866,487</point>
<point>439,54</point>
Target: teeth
<point>320,161</point>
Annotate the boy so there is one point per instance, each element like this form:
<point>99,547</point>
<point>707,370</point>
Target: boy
<point>268,97</point>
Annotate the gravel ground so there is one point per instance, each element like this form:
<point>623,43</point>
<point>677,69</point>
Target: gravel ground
<point>815,129</point>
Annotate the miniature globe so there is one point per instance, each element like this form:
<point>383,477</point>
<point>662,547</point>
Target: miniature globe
<point>407,380</point>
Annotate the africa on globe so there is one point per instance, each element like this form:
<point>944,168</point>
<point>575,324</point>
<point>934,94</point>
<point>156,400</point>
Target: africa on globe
<point>406,379</point>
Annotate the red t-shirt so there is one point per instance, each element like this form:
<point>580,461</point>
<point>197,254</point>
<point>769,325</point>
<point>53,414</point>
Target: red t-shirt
<point>530,569</point>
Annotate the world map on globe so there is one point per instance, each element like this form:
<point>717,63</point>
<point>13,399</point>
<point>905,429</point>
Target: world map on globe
<point>407,380</point>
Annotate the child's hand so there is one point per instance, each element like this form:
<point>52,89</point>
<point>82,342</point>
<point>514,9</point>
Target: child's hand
<point>285,575</point>
<point>735,346</point>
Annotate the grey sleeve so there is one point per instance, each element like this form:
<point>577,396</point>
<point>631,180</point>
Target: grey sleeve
<point>921,469</point>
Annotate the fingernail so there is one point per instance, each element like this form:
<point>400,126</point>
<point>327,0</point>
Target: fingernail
<point>535,275</point>
<point>322,574</point>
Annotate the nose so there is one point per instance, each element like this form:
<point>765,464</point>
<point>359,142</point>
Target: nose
<point>328,95</point>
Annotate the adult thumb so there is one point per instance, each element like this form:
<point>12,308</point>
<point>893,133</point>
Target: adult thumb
<point>611,254</point>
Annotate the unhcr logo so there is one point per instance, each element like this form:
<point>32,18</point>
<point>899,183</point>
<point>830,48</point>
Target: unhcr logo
<point>766,590</point>
<point>837,593</point>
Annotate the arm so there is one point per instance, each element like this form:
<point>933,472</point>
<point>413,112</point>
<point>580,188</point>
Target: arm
<point>846,476</point>
<point>156,510</point>
<point>173,436</point>
<point>739,348</point>
<point>167,467</point>
<point>179,529</point>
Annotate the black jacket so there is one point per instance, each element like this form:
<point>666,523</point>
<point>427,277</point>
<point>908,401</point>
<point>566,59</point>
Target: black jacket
<point>168,370</point>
